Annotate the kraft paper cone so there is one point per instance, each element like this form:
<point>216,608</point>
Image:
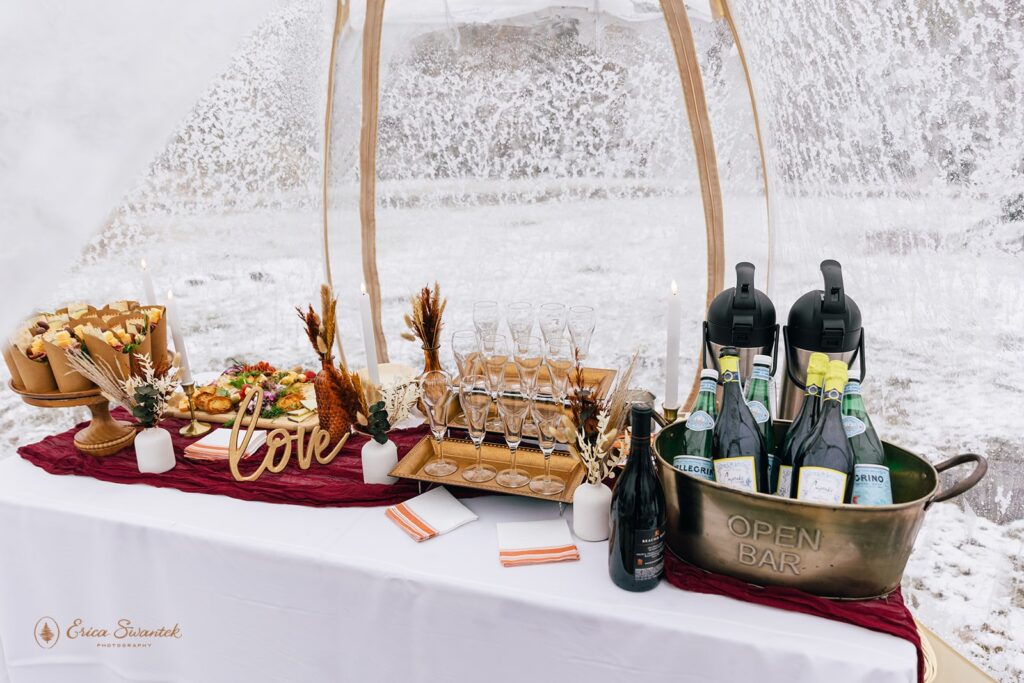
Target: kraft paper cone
<point>36,377</point>
<point>102,352</point>
<point>158,335</point>
<point>145,348</point>
<point>12,367</point>
<point>68,380</point>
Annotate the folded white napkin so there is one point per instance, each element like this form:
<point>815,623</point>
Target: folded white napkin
<point>214,446</point>
<point>430,514</point>
<point>535,542</point>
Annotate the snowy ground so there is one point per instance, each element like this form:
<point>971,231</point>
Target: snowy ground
<point>942,312</point>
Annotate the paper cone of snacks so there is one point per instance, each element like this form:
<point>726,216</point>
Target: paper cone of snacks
<point>107,347</point>
<point>33,367</point>
<point>157,333</point>
<point>56,343</point>
<point>12,367</point>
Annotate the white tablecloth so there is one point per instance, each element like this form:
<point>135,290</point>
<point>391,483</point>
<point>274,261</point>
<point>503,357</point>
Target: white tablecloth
<point>264,592</point>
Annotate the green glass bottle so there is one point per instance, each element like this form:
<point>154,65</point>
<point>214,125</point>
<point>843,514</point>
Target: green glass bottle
<point>871,483</point>
<point>823,470</point>
<point>759,400</point>
<point>699,430</point>
<point>740,456</point>
<point>802,426</point>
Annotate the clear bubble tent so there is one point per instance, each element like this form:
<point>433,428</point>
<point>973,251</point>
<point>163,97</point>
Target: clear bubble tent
<point>585,151</point>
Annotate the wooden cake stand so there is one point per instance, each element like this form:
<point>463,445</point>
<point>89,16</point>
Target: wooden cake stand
<point>104,435</point>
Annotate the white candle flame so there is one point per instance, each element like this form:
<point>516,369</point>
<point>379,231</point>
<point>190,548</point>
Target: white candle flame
<point>675,288</point>
<point>362,288</point>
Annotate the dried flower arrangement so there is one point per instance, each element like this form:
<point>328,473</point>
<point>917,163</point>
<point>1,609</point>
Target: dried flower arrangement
<point>425,324</point>
<point>336,405</point>
<point>594,424</point>
<point>145,393</point>
<point>399,397</point>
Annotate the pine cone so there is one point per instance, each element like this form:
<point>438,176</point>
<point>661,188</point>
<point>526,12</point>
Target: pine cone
<point>333,416</point>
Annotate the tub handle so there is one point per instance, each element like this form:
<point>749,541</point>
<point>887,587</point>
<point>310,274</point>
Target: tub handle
<point>965,484</point>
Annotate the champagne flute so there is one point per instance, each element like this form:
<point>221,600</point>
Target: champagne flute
<point>546,407</point>
<point>552,318</point>
<point>519,317</point>
<point>485,319</point>
<point>476,404</point>
<point>582,321</point>
<point>495,354</point>
<point>528,355</point>
<point>466,349</point>
<point>560,361</point>
<point>513,406</point>
<point>437,390</point>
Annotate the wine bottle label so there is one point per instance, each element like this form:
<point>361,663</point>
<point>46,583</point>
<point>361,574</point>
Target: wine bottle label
<point>760,372</point>
<point>700,421</point>
<point>648,554</point>
<point>760,413</point>
<point>739,473</point>
<point>784,487</point>
<point>821,485</point>
<point>871,485</point>
<point>695,465</point>
<point>852,388</point>
<point>709,385</point>
<point>853,426</point>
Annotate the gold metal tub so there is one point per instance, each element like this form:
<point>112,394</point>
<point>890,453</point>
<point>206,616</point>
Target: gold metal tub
<point>845,551</point>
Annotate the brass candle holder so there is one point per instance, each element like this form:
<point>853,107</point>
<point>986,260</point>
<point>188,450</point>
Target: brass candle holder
<point>671,414</point>
<point>194,427</point>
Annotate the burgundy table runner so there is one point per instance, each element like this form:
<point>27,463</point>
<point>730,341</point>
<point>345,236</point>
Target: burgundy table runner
<point>887,615</point>
<point>338,484</point>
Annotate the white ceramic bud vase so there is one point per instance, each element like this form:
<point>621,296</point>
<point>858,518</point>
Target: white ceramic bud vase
<point>378,460</point>
<point>154,451</point>
<point>591,511</point>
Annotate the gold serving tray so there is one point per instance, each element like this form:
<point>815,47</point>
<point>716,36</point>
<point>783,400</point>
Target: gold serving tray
<point>461,453</point>
<point>597,380</point>
<point>282,422</point>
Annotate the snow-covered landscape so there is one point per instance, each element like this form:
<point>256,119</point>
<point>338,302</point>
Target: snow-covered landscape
<point>487,195</point>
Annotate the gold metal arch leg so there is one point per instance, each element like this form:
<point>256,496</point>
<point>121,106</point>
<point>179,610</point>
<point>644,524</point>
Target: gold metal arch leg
<point>704,149</point>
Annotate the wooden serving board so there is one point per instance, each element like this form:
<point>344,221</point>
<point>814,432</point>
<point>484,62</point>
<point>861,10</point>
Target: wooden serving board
<point>282,422</point>
<point>461,453</point>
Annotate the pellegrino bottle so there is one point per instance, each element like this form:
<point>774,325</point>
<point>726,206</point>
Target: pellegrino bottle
<point>871,485</point>
<point>636,545</point>
<point>698,430</point>
<point>759,400</point>
<point>740,455</point>
<point>802,426</point>
<point>823,470</point>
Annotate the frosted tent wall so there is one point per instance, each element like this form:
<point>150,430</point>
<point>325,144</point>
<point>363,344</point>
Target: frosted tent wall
<point>228,213</point>
<point>896,133</point>
<point>538,153</point>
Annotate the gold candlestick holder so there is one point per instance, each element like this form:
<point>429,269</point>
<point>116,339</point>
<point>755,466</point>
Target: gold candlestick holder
<point>194,427</point>
<point>671,414</point>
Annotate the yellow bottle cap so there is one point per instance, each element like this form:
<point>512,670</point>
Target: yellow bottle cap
<point>729,364</point>
<point>838,375</point>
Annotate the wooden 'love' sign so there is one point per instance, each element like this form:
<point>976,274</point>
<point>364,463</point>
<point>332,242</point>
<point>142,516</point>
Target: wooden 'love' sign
<point>319,441</point>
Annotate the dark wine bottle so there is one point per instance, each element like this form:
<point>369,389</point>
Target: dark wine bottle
<point>636,545</point>
<point>740,455</point>
<point>823,470</point>
<point>695,458</point>
<point>802,426</point>
<point>871,483</point>
<point>758,396</point>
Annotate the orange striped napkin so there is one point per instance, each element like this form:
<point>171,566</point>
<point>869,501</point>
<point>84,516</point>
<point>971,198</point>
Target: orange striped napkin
<point>430,514</point>
<point>214,446</point>
<point>535,543</point>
